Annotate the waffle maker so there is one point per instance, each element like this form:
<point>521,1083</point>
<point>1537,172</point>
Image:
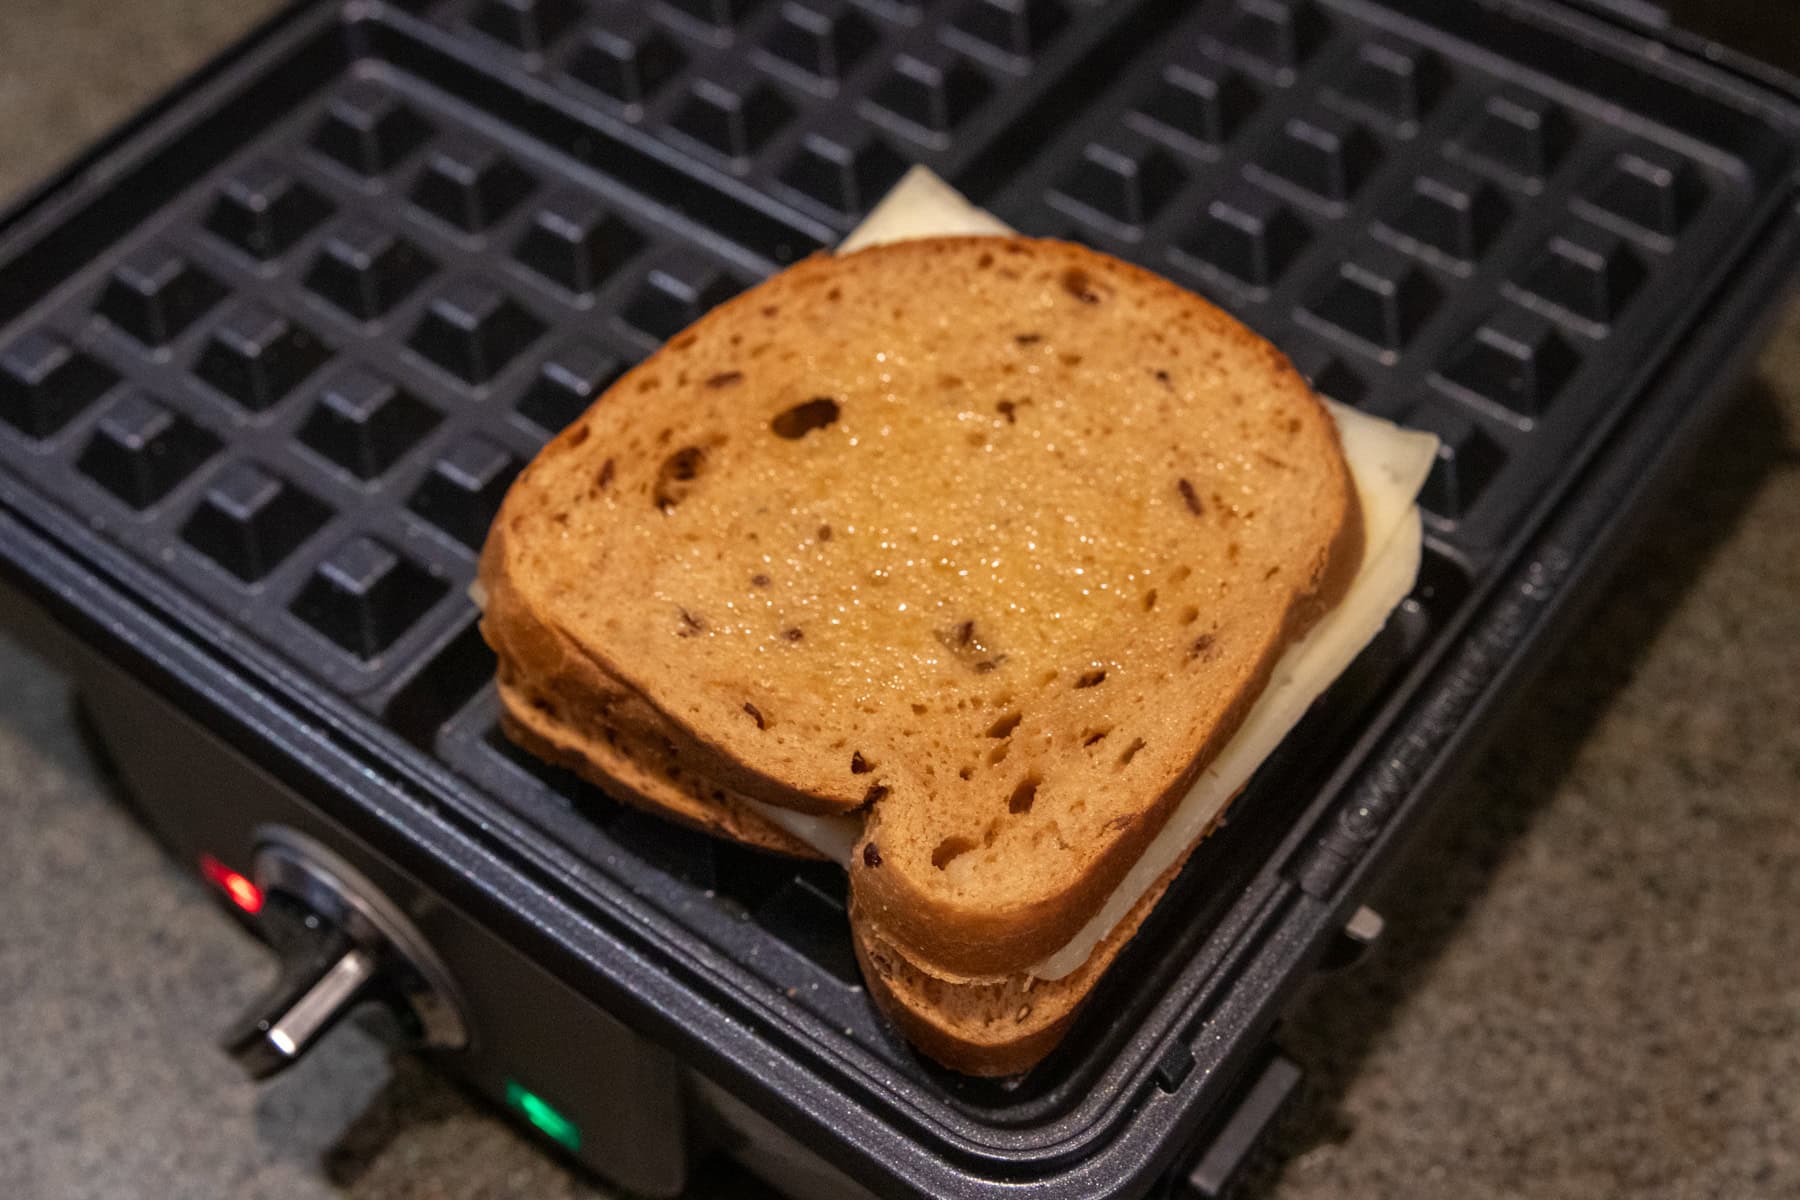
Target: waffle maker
<point>270,355</point>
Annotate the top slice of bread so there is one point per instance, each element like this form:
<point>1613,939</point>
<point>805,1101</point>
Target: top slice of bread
<point>996,539</point>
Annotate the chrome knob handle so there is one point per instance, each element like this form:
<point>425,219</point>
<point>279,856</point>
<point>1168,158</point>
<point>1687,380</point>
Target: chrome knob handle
<point>341,943</point>
<point>315,990</point>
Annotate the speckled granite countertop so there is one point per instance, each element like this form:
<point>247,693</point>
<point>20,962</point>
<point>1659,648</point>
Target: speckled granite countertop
<point>1590,984</point>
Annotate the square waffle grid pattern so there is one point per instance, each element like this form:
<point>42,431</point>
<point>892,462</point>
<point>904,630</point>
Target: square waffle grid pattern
<point>821,104</point>
<point>301,387</point>
<point>1427,236</point>
<point>305,385</point>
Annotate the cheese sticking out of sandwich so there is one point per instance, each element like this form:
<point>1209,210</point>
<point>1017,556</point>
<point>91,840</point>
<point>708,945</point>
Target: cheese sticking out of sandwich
<point>921,205</point>
<point>1388,464</point>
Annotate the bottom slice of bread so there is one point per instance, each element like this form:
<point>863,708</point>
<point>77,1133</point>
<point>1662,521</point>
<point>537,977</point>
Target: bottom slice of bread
<point>992,1028</point>
<point>644,775</point>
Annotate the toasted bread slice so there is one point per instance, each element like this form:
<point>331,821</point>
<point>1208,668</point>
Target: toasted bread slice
<point>994,539</point>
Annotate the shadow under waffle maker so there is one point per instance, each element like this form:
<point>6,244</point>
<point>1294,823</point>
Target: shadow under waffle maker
<point>270,355</point>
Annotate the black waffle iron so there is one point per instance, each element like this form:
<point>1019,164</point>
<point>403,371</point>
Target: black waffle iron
<point>270,355</point>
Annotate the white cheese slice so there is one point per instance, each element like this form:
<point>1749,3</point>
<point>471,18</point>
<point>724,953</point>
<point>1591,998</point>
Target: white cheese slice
<point>1388,464</point>
<point>921,205</point>
<point>833,836</point>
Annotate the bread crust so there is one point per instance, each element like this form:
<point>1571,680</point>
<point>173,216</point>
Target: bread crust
<point>903,904</point>
<point>992,1027</point>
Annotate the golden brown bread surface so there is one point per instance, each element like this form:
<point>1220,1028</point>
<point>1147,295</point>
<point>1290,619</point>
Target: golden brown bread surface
<point>996,539</point>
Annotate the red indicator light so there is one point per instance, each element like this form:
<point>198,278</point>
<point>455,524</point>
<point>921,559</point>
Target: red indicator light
<point>245,894</point>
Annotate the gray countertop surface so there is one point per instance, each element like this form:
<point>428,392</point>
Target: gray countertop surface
<point>1590,983</point>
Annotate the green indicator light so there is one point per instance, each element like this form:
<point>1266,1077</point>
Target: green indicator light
<point>545,1119</point>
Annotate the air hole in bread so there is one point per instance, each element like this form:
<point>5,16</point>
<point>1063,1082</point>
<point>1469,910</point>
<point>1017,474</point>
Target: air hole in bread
<point>1131,752</point>
<point>858,764</point>
<point>997,755</point>
<point>1092,678</point>
<point>1009,410</point>
<point>676,477</point>
<point>1203,648</point>
<point>966,773</point>
<point>724,379</point>
<point>1070,360</point>
<point>951,849</point>
<point>1181,574</point>
<point>756,715</point>
<point>1149,599</point>
<point>578,435</point>
<point>802,419</point>
<point>1028,339</point>
<point>1005,725</point>
<point>920,710</point>
<point>1189,615</point>
<point>604,479</point>
<point>876,791</point>
<point>1023,796</point>
<point>1094,736</point>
